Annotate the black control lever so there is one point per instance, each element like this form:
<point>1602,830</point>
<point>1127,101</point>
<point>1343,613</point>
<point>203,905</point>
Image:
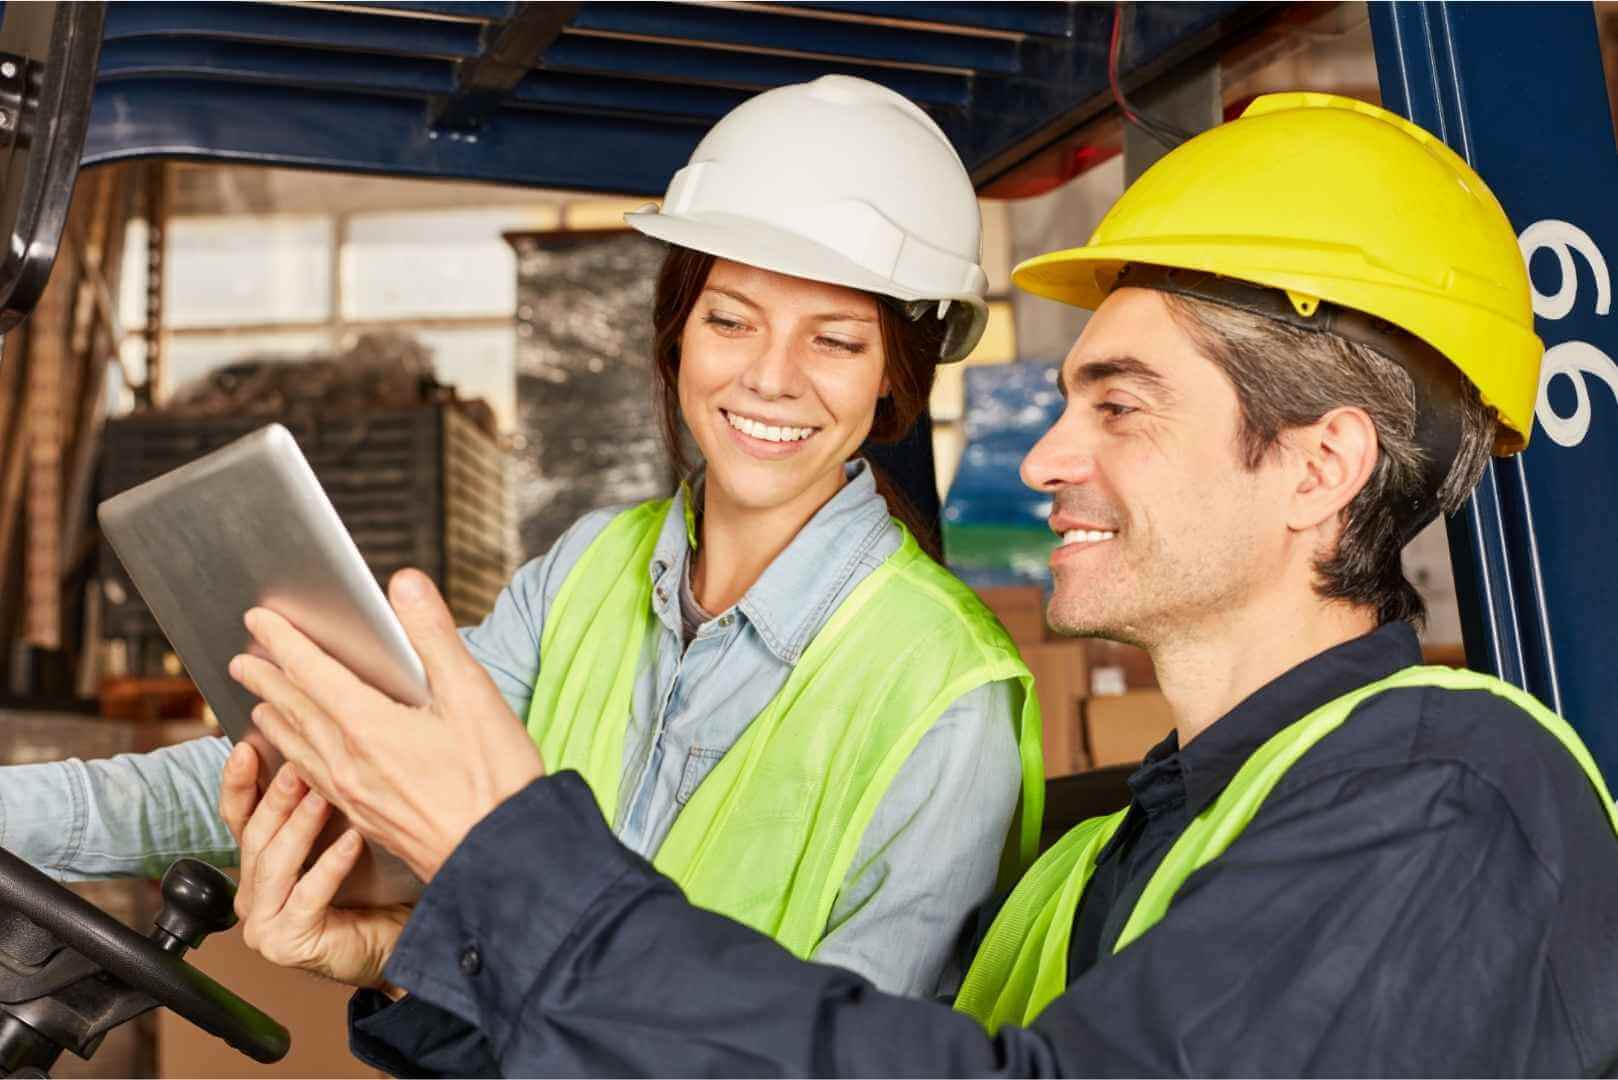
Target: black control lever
<point>198,900</point>
<point>198,903</point>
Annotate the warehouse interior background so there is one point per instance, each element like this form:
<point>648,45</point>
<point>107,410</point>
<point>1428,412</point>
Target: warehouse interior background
<point>454,329</point>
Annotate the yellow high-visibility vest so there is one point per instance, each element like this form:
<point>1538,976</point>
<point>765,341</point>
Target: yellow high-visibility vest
<point>1023,963</point>
<point>769,835</point>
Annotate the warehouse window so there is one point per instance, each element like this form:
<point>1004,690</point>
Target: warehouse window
<point>278,263</point>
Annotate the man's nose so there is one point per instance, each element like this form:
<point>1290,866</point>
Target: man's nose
<point>774,372</point>
<point>1061,458</point>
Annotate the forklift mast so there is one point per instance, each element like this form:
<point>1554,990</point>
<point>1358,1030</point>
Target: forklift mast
<point>1520,92</point>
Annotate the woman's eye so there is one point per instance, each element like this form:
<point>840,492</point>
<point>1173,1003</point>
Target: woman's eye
<point>852,348</point>
<point>723,324</point>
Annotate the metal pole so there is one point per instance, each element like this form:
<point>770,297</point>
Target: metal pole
<point>157,217</point>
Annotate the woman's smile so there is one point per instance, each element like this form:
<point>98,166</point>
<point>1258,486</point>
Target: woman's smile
<point>767,439</point>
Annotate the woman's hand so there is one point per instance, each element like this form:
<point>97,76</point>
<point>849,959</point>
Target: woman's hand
<point>286,913</point>
<point>413,779</point>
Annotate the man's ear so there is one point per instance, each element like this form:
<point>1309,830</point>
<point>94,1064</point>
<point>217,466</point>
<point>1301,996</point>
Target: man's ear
<point>1334,458</point>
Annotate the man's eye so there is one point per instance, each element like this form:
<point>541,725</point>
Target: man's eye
<point>1114,409</point>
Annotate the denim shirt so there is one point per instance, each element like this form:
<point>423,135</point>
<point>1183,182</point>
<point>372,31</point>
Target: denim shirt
<point>927,859</point>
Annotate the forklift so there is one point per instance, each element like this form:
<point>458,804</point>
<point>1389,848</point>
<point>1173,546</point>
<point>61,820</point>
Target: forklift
<point>612,97</point>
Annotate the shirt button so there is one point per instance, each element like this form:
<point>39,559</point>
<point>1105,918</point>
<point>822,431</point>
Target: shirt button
<point>726,620</point>
<point>471,960</point>
<point>662,595</point>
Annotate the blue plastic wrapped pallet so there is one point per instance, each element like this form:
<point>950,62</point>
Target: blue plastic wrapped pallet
<point>995,529</point>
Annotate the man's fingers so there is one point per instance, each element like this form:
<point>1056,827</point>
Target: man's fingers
<point>431,629</point>
<point>325,681</point>
<point>280,863</point>
<point>307,747</point>
<point>266,681</point>
<point>313,893</point>
<point>238,788</point>
<point>294,723</point>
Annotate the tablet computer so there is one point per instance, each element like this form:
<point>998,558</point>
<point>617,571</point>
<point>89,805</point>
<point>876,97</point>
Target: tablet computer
<point>249,526</point>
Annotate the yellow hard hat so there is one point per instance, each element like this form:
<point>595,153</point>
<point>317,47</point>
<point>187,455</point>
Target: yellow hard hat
<point>1328,198</point>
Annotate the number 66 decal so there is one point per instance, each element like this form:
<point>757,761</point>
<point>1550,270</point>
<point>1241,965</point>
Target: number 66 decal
<point>1573,359</point>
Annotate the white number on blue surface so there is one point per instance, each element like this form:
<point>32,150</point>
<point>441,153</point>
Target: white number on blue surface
<point>1571,359</point>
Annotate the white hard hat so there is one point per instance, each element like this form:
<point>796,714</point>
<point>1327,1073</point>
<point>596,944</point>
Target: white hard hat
<point>837,180</point>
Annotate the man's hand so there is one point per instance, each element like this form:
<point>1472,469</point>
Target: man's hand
<point>414,780</point>
<point>286,913</point>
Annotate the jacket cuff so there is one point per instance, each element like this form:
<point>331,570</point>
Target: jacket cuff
<point>503,903</point>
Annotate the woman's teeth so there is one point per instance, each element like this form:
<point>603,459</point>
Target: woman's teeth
<point>768,432</point>
<point>1086,536</point>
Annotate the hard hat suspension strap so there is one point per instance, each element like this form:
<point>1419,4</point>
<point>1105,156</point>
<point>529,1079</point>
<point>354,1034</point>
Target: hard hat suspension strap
<point>959,319</point>
<point>1438,383</point>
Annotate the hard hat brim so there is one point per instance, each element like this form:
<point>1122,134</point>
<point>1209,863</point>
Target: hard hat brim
<point>769,247</point>
<point>1083,276</point>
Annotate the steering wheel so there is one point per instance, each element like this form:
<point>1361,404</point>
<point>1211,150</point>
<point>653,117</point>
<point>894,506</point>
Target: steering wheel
<point>198,901</point>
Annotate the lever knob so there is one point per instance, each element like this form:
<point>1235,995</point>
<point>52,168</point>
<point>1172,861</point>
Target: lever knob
<point>198,900</point>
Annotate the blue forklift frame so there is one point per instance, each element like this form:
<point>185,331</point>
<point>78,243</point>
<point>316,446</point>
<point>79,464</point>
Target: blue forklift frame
<point>597,96</point>
<point>612,97</point>
<point>1519,90</point>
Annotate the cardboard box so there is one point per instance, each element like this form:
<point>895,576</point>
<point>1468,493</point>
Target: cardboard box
<point>1060,676</point>
<point>1121,728</point>
<point>1443,654</point>
<point>1020,609</point>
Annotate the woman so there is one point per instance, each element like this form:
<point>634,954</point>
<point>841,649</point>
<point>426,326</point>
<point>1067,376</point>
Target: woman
<point>773,693</point>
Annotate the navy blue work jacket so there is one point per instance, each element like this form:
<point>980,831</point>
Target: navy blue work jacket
<point>1430,890</point>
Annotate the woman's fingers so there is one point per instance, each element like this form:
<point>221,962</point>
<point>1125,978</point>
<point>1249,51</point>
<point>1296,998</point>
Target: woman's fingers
<point>272,812</point>
<point>281,861</point>
<point>238,789</point>
<point>314,892</point>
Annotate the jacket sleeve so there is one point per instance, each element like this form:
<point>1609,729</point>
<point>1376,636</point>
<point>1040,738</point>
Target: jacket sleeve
<point>412,1038</point>
<point>580,959</point>
<point>1332,937</point>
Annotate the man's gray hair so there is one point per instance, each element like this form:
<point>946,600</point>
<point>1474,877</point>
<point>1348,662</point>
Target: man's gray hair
<point>1286,378</point>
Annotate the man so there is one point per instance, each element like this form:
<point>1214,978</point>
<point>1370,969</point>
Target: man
<point>1312,325</point>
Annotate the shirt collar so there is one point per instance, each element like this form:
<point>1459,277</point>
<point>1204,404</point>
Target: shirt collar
<point>1213,758</point>
<point>797,592</point>
<point>670,556</point>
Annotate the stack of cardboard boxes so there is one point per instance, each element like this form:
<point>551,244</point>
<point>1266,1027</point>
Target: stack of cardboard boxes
<point>1099,699</point>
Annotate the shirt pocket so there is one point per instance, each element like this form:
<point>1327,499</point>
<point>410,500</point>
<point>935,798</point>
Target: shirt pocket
<point>698,764</point>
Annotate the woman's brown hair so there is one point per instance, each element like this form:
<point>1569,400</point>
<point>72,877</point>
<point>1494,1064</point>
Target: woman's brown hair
<point>909,351</point>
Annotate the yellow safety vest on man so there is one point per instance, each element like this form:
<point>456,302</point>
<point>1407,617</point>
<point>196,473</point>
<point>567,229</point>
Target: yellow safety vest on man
<point>1022,965</point>
<point>770,834</point>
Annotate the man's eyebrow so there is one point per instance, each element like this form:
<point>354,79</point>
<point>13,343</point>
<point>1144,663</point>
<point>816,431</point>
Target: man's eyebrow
<point>1127,368</point>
